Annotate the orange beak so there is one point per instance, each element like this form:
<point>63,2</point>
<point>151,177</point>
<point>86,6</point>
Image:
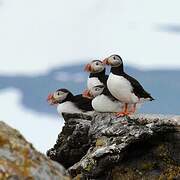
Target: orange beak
<point>50,99</point>
<point>88,68</point>
<point>106,62</point>
<point>87,94</point>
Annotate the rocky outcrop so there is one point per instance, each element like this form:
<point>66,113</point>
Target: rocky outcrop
<point>20,161</point>
<point>103,146</point>
<point>73,143</point>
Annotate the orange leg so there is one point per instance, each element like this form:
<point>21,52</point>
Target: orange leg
<point>124,113</point>
<point>133,109</point>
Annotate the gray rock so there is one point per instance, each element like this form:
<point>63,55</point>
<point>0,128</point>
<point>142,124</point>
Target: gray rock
<point>20,161</point>
<point>137,147</point>
<point>72,143</point>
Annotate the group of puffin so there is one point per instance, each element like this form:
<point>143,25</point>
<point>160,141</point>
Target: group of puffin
<point>118,93</point>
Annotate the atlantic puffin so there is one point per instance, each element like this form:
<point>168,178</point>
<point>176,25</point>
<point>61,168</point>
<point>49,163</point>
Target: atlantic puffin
<point>97,74</point>
<point>102,100</point>
<point>69,103</point>
<point>124,87</point>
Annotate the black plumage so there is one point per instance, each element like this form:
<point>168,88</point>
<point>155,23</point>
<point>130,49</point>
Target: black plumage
<point>107,93</point>
<point>82,103</point>
<point>79,101</point>
<point>138,90</point>
<point>102,77</point>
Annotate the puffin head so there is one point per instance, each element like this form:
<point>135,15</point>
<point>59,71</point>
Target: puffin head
<point>113,60</point>
<point>95,66</point>
<point>93,92</point>
<point>58,96</point>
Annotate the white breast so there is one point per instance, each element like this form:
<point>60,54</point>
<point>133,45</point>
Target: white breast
<point>68,107</point>
<point>121,89</point>
<point>93,81</point>
<point>104,104</point>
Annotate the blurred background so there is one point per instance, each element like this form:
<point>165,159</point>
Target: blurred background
<point>44,45</point>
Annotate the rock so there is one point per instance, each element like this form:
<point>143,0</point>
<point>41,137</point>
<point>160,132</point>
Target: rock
<point>136,147</point>
<point>20,161</point>
<point>72,143</point>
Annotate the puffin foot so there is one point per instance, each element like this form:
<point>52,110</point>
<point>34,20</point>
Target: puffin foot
<point>122,114</point>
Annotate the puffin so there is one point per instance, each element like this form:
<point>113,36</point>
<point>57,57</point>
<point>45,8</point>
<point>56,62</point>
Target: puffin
<point>102,100</point>
<point>68,103</point>
<point>124,87</point>
<point>97,74</point>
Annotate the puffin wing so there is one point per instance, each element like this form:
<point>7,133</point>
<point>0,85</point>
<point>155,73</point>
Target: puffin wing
<point>83,103</point>
<point>104,79</point>
<point>138,90</point>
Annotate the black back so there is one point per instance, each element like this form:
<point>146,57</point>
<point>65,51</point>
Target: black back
<point>82,103</point>
<point>138,90</point>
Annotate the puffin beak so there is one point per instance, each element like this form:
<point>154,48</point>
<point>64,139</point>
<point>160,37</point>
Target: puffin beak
<point>50,99</point>
<point>87,94</point>
<point>106,62</point>
<point>88,68</point>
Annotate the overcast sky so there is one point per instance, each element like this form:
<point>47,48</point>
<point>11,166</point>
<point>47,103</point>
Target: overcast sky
<point>36,35</point>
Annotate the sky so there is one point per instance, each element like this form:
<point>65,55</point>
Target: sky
<point>40,34</point>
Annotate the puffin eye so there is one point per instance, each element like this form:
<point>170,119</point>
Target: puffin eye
<point>97,63</point>
<point>58,93</point>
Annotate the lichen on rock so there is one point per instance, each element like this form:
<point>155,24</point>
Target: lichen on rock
<point>19,160</point>
<point>137,147</point>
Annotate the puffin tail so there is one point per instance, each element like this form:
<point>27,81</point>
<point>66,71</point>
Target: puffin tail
<point>151,98</point>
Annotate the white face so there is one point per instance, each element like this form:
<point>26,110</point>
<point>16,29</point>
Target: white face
<point>96,90</point>
<point>115,61</point>
<point>59,96</point>
<point>97,66</point>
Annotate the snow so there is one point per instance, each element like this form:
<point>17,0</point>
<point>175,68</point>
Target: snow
<point>38,35</point>
<point>41,130</point>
